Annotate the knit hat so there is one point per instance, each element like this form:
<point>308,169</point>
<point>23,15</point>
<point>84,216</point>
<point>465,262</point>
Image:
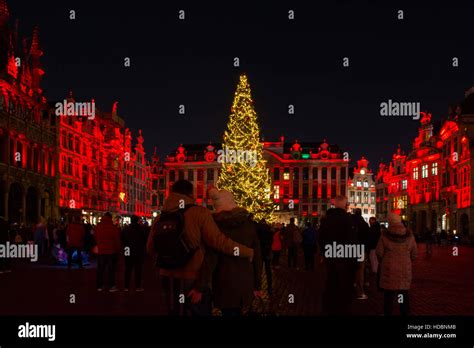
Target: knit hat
<point>222,199</point>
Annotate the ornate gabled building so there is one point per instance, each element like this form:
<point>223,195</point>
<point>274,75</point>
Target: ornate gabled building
<point>306,176</point>
<point>361,190</point>
<point>392,188</point>
<point>28,151</point>
<point>99,168</point>
<point>158,184</point>
<point>435,177</point>
<point>424,167</point>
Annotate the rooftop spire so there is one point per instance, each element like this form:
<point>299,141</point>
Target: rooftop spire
<point>35,47</point>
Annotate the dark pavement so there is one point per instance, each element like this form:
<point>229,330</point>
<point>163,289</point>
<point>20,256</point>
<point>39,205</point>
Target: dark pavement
<point>443,285</point>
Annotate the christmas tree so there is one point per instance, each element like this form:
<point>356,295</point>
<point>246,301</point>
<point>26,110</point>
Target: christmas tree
<point>244,171</point>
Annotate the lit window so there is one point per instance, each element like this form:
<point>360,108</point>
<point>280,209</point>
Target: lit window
<point>359,184</point>
<point>404,184</point>
<point>415,173</point>
<point>366,184</point>
<point>424,171</point>
<point>276,191</point>
<point>286,176</point>
<point>434,168</point>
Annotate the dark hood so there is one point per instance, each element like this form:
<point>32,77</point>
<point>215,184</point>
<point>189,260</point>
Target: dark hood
<point>231,218</point>
<point>335,212</point>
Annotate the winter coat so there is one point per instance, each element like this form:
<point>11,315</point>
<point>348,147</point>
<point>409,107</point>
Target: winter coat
<point>199,230</point>
<point>265,235</point>
<point>233,279</point>
<point>75,235</point>
<point>309,236</point>
<point>277,244</point>
<point>134,237</point>
<point>107,237</point>
<point>362,230</point>
<point>374,235</point>
<point>292,236</point>
<point>338,227</point>
<point>396,250</point>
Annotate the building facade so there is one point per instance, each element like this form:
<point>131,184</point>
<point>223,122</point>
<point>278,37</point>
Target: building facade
<point>392,188</point>
<point>27,132</point>
<point>361,190</point>
<point>100,170</point>
<point>305,176</point>
<point>435,177</point>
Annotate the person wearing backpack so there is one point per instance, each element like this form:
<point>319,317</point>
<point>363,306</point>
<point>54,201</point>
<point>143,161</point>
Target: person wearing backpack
<point>179,247</point>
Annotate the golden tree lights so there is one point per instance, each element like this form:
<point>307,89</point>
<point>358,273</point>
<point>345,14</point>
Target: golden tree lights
<point>249,181</point>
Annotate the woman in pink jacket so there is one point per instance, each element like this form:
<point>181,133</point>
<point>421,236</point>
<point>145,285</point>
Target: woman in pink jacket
<point>396,250</point>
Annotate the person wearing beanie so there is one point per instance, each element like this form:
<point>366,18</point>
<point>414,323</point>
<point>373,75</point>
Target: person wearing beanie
<point>396,250</point>
<point>234,281</point>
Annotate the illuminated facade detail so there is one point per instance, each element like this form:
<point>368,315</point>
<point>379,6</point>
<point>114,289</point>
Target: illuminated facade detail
<point>392,188</point>
<point>99,168</point>
<point>362,194</point>
<point>305,185</point>
<point>27,132</point>
<point>436,190</point>
<point>158,183</point>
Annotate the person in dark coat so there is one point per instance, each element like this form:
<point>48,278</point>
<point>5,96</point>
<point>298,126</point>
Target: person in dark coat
<point>374,236</point>
<point>340,272</point>
<point>234,281</point>
<point>363,234</point>
<point>134,242</point>
<point>292,236</point>
<point>309,246</point>
<point>265,235</point>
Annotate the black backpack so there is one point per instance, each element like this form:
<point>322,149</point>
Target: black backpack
<point>169,242</point>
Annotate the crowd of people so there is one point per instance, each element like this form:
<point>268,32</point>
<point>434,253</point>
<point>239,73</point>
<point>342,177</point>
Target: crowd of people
<point>217,259</point>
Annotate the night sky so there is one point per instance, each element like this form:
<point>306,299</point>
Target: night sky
<point>295,62</point>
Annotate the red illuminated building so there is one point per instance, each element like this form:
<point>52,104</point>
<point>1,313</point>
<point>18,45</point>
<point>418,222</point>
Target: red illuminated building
<point>100,169</point>
<point>27,132</point>
<point>392,188</point>
<point>305,176</point>
<point>437,173</point>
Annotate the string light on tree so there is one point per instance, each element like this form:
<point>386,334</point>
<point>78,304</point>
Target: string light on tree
<point>249,182</point>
